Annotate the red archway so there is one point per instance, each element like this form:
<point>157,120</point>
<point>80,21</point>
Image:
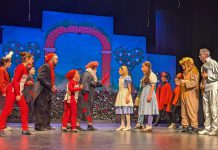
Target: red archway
<point>106,47</point>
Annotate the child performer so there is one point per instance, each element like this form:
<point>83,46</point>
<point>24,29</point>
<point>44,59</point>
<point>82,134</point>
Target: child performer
<point>14,94</point>
<point>148,102</point>
<point>174,105</point>
<point>5,63</point>
<point>124,103</point>
<point>70,101</point>
<point>28,91</point>
<point>163,94</point>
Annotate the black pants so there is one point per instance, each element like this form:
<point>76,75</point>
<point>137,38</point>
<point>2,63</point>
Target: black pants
<point>158,117</point>
<point>30,106</point>
<point>42,109</point>
<point>176,114</point>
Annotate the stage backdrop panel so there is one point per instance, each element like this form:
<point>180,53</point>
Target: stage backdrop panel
<point>131,52</point>
<point>1,52</point>
<point>163,63</point>
<point>78,39</point>
<point>19,39</point>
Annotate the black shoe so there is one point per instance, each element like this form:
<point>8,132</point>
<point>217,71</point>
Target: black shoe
<point>79,128</point>
<point>65,130</point>
<point>26,132</point>
<point>39,129</point>
<point>184,130</point>
<point>2,134</point>
<point>69,127</point>
<point>158,118</point>
<point>74,131</point>
<point>179,128</point>
<point>189,130</point>
<point>49,128</point>
<point>90,128</point>
<point>194,131</point>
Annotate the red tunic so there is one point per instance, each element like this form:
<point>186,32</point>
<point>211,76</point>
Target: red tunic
<point>163,94</point>
<point>4,80</point>
<point>174,99</point>
<point>20,76</point>
<point>73,87</point>
<point>70,108</point>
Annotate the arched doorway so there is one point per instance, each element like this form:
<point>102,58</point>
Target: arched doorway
<point>106,47</point>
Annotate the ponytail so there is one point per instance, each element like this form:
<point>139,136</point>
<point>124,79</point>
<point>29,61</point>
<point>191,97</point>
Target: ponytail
<point>25,55</point>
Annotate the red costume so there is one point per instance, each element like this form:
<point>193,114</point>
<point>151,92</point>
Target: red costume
<point>174,104</point>
<point>174,99</point>
<point>70,102</point>
<point>13,90</point>
<point>4,80</point>
<point>163,94</point>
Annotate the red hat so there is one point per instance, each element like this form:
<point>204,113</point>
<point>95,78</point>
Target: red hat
<point>92,64</point>
<point>163,74</point>
<point>179,76</point>
<point>70,74</point>
<point>49,56</point>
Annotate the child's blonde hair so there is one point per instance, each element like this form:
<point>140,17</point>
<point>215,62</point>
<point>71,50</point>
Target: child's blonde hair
<point>125,70</point>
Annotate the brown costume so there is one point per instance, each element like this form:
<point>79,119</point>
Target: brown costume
<point>190,97</point>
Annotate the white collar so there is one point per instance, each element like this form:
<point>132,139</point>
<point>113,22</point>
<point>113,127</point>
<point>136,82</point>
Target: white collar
<point>208,58</point>
<point>92,73</point>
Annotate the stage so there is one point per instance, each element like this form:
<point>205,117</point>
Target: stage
<point>106,138</point>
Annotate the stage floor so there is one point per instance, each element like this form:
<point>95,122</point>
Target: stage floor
<point>105,138</point>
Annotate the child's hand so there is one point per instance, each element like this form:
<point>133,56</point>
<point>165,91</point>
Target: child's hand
<point>182,82</point>
<point>18,98</point>
<point>149,98</point>
<point>81,86</point>
<point>127,100</point>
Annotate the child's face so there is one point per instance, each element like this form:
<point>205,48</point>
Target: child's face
<point>32,71</point>
<point>145,69</point>
<point>177,82</point>
<point>77,76</point>
<point>30,60</point>
<point>121,72</point>
<point>8,64</point>
<point>163,79</point>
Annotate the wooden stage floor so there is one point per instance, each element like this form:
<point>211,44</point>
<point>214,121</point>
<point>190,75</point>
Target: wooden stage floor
<point>106,138</point>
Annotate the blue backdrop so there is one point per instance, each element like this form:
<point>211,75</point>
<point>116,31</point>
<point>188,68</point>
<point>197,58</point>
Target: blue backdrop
<point>19,39</point>
<point>75,50</point>
<point>129,51</point>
